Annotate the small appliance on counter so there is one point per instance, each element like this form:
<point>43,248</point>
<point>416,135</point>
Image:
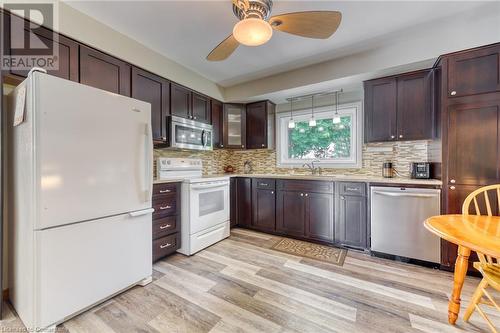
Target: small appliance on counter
<point>388,170</point>
<point>420,170</point>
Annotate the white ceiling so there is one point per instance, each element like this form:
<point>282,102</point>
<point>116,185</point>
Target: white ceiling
<point>186,31</point>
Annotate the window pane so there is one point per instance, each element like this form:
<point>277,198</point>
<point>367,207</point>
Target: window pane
<point>326,140</point>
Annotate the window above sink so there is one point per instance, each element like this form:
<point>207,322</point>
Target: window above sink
<point>335,140</point>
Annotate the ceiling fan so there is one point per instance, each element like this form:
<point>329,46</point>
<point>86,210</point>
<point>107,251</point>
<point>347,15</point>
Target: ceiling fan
<point>256,26</point>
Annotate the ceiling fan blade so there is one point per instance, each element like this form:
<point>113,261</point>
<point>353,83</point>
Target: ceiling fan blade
<point>224,49</point>
<point>313,24</point>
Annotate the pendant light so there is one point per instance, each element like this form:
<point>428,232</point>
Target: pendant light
<point>312,121</point>
<point>291,122</point>
<point>336,118</point>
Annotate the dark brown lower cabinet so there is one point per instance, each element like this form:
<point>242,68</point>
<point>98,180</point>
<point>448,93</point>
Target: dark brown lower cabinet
<point>233,216</point>
<point>351,225</point>
<point>244,201</point>
<point>290,213</point>
<point>166,219</point>
<point>319,216</point>
<point>263,207</point>
<point>303,213</point>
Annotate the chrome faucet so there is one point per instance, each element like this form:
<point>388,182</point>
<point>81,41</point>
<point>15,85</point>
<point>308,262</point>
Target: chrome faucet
<point>314,170</point>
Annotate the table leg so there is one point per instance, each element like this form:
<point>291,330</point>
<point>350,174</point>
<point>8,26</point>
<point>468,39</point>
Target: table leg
<point>461,266</point>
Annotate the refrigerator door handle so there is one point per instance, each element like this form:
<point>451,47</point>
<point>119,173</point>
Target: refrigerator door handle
<point>149,168</point>
<point>142,212</point>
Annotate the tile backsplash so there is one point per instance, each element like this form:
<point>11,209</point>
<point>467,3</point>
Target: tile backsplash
<point>264,160</point>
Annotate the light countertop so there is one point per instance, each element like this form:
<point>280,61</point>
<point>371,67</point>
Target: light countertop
<point>346,178</point>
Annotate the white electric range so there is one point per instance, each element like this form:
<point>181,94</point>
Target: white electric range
<point>204,203</point>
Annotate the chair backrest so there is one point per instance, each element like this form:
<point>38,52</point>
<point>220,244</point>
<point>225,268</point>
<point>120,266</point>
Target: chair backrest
<point>484,205</point>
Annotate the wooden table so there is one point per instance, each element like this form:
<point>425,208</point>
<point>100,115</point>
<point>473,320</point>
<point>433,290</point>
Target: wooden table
<point>470,233</point>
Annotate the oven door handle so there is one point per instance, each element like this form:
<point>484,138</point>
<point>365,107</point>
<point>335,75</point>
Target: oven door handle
<point>202,187</point>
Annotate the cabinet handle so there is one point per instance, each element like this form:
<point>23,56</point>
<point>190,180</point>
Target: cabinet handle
<point>453,93</point>
<point>242,146</point>
<point>222,146</point>
<point>342,197</point>
<point>164,191</point>
<point>452,188</point>
<point>272,192</point>
<point>263,145</point>
<point>453,181</point>
<point>164,138</point>
<point>194,118</point>
<point>307,195</point>
<point>165,245</point>
<point>263,184</point>
<point>165,226</point>
<point>351,189</point>
<point>301,194</point>
<point>392,136</point>
<point>165,207</point>
<point>401,136</point>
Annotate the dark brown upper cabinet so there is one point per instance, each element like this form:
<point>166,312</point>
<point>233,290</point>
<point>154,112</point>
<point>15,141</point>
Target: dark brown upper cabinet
<point>105,72</point>
<point>67,49</point>
<point>217,123</point>
<point>414,110</point>
<point>474,72</point>
<point>260,125</point>
<point>180,101</point>
<point>399,107</point>
<point>188,104</point>
<point>155,90</point>
<point>200,108</point>
<point>234,131</point>
<point>473,150</point>
<point>380,109</point>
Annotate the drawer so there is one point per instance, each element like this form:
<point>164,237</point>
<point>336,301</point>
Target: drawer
<point>165,206</point>
<point>264,183</point>
<point>165,226</point>
<point>165,188</point>
<point>348,188</point>
<point>305,186</point>
<point>165,246</point>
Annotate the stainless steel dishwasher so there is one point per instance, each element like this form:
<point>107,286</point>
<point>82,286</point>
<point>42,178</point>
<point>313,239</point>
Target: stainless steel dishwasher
<point>397,216</point>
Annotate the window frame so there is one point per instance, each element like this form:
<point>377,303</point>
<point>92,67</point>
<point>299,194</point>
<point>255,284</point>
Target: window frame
<point>355,109</point>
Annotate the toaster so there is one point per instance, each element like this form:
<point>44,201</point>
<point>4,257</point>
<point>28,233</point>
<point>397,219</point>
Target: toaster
<point>420,170</point>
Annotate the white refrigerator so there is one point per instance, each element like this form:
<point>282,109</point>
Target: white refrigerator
<point>80,198</point>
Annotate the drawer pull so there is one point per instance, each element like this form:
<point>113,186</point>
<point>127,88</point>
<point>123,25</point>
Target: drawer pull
<point>165,245</point>
<point>352,189</point>
<point>165,226</point>
<point>165,207</point>
<point>263,184</point>
<point>164,191</point>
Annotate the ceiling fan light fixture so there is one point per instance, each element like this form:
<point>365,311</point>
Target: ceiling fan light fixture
<point>252,31</point>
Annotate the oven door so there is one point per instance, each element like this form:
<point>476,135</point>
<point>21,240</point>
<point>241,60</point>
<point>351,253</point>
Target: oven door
<point>188,134</point>
<point>209,204</point>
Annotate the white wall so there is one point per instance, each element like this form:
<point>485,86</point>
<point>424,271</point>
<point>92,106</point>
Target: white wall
<point>85,29</point>
<point>422,44</point>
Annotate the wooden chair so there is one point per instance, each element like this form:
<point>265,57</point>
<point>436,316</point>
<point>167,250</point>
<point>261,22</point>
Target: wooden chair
<point>488,266</point>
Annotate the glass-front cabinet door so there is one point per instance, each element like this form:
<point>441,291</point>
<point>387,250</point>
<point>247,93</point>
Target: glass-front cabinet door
<point>234,126</point>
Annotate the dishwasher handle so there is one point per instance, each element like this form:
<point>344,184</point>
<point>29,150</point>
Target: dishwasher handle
<point>413,195</point>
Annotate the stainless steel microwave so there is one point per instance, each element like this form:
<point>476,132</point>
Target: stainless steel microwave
<point>189,134</point>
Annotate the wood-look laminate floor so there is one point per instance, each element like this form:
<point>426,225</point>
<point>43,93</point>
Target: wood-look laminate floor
<point>241,285</point>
